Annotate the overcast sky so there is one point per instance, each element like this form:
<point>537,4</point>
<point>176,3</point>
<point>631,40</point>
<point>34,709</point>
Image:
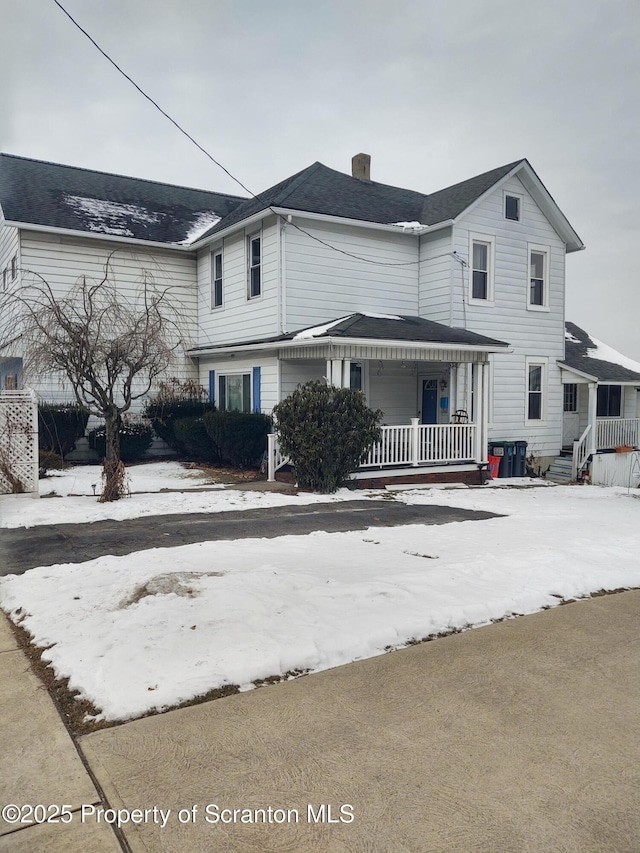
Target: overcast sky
<point>435,90</point>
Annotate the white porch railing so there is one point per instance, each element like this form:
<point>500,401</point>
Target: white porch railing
<point>422,444</point>
<point>409,444</point>
<point>616,432</point>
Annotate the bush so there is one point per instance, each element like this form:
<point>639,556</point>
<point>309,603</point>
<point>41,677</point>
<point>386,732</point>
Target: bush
<point>240,436</point>
<point>176,400</point>
<point>325,431</point>
<point>193,436</point>
<point>135,439</point>
<point>60,426</point>
<point>49,461</point>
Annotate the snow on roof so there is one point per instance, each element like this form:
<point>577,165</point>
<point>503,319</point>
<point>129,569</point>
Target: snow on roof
<point>317,331</point>
<point>381,316</point>
<point>603,352</point>
<point>200,225</point>
<point>569,337</point>
<point>109,217</point>
<point>409,226</point>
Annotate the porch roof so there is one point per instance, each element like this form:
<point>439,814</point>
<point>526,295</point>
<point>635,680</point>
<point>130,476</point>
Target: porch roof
<point>373,329</point>
<point>589,358</point>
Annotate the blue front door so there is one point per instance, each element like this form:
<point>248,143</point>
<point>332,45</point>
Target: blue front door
<point>429,401</point>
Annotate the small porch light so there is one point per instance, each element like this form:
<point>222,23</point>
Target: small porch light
<point>443,384</point>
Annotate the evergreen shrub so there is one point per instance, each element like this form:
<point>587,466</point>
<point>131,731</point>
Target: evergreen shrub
<point>325,431</point>
<point>193,436</point>
<point>60,426</point>
<point>176,399</point>
<point>136,438</point>
<point>240,436</point>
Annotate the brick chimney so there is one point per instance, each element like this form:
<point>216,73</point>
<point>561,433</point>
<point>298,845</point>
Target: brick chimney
<point>361,167</point>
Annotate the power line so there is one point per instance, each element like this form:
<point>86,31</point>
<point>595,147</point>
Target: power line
<point>217,162</point>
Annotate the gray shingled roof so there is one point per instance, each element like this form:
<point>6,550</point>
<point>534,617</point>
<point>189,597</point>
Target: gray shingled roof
<point>318,189</point>
<point>40,193</point>
<point>405,328</point>
<point>577,356</point>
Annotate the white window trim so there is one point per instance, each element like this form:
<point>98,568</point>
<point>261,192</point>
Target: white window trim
<point>212,306</point>
<point>248,240</point>
<point>504,205</point>
<point>491,241</point>
<point>536,361</point>
<point>546,251</point>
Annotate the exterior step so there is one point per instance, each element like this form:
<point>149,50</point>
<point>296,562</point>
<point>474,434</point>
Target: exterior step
<point>560,470</point>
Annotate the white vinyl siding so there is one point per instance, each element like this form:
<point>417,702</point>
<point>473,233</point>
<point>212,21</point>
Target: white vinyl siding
<point>436,272</point>
<point>528,332</point>
<point>323,284</point>
<point>62,260</point>
<point>9,249</point>
<point>239,318</point>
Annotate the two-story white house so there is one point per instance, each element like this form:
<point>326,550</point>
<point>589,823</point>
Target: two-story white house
<point>446,309</point>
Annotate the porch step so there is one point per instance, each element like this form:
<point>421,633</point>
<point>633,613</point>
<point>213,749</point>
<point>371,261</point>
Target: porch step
<point>560,470</point>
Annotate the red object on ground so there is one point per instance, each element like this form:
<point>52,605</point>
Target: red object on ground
<point>494,466</point>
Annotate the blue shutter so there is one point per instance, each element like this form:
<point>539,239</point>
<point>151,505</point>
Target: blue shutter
<point>212,386</point>
<point>255,371</point>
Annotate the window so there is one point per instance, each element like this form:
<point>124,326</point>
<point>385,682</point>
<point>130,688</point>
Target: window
<point>538,296</point>
<point>512,207</point>
<point>535,390</point>
<point>4,278</point>
<point>14,267</point>
<point>11,382</point>
<point>216,279</point>
<point>481,269</point>
<point>355,376</point>
<point>254,266</point>
<point>234,392</point>
<point>609,403</point>
<point>570,397</point>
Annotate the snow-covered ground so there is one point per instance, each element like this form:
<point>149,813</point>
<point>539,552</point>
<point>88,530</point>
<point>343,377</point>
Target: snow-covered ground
<point>76,502</point>
<point>158,627</point>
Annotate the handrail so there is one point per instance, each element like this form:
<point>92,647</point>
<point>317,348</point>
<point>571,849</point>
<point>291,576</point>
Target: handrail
<point>580,453</point>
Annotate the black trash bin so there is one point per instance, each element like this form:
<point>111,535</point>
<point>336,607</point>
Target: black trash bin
<point>505,450</point>
<point>520,459</point>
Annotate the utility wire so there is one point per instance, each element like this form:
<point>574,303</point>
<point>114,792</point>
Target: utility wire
<point>216,162</point>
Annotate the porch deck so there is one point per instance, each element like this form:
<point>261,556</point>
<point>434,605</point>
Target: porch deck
<point>412,446</point>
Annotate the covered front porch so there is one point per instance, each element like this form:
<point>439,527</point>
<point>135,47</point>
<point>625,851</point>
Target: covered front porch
<point>435,405</point>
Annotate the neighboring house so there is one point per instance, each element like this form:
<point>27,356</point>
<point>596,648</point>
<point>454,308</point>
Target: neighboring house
<point>446,309</point>
<point>601,400</point>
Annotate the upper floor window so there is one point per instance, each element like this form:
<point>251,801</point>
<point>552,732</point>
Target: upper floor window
<point>538,295</point>
<point>481,269</point>
<point>14,267</point>
<point>216,279</point>
<point>255,265</point>
<point>512,207</point>
<point>609,404</point>
<point>4,278</point>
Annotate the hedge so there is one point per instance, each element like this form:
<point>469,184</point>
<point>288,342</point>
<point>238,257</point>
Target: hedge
<point>60,426</point>
<point>240,436</point>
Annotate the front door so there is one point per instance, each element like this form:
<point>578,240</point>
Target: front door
<point>429,401</point>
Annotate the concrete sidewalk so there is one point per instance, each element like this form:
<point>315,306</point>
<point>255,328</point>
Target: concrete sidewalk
<point>521,736</point>
<point>39,764</point>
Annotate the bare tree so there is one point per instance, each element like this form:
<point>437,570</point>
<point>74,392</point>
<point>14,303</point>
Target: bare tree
<point>109,345</point>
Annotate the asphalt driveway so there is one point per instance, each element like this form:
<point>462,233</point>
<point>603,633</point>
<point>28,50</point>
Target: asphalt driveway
<point>47,544</point>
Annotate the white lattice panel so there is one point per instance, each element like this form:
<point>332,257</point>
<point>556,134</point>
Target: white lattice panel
<point>18,440</point>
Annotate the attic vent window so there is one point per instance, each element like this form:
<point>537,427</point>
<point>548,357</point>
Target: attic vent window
<point>512,207</point>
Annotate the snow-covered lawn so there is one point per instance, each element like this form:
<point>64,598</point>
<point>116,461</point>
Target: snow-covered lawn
<point>158,627</point>
<point>76,503</point>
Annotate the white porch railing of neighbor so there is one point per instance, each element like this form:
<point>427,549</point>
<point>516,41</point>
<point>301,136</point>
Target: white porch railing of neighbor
<point>409,444</point>
<point>422,444</point>
<point>18,442</point>
<point>617,432</point>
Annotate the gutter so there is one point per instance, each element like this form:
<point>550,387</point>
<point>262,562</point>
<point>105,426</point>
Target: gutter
<point>339,342</point>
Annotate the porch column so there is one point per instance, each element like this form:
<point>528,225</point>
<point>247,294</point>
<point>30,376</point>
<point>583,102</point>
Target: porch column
<point>336,368</point>
<point>592,417</point>
<point>479,411</point>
